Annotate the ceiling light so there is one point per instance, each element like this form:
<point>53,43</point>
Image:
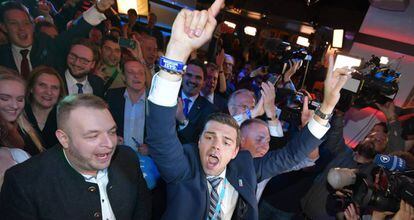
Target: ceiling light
<point>249,30</point>
<point>141,6</point>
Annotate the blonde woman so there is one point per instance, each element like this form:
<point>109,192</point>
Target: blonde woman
<point>20,133</point>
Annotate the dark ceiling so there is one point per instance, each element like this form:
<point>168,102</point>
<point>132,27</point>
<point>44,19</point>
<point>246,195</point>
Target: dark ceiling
<point>346,14</point>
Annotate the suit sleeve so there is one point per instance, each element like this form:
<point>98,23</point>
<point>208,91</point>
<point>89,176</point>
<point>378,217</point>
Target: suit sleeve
<point>14,200</point>
<point>164,145</point>
<point>287,158</point>
<point>143,206</point>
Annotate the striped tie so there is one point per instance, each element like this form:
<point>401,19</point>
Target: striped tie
<point>214,197</point>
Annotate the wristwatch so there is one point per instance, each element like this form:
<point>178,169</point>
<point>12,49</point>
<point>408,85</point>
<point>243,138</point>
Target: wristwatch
<point>323,115</point>
<point>172,66</point>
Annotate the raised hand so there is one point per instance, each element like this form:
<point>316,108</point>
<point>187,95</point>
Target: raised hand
<point>306,112</point>
<point>294,66</point>
<point>268,94</point>
<point>335,80</point>
<point>103,5</point>
<point>191,30</point>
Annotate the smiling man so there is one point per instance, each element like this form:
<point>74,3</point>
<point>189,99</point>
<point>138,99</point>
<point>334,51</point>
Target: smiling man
<point>87,176</point>
<point>195,108</point>
<point>213,179</point>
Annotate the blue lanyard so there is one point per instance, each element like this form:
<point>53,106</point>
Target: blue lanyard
<point>218,207</point>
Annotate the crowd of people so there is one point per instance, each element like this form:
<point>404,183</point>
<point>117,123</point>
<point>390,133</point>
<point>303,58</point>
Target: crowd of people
<point>105,119</point>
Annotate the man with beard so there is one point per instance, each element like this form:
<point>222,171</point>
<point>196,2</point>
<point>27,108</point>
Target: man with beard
<point>211,78</point>
<point>212,179</point>
<point>26,51</point>
<point>193,109</point>
<point>87,176</point>
<point>80,63</point>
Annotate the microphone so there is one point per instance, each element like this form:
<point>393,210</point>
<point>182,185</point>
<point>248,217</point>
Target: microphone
<point>390,162</point>
<point>338,178</point>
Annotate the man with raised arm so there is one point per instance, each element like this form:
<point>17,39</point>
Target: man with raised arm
<point>213,180</point>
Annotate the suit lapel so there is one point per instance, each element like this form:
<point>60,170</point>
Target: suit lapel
<point>244,189</point>
<point>196,109</point>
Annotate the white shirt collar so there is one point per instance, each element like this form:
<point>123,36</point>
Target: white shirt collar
<point>18,49</point>
<point>72,80</point>
<point>100,174</point>
<point>141,98</point>
<point>192,98</point>
<point>222,174</point>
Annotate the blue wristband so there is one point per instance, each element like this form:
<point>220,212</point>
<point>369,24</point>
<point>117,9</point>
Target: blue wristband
<point>172,66</point>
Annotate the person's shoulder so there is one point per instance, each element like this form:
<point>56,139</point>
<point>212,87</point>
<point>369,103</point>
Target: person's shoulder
<point>124,155</point>
<point>95,79</point>
<point>37,165</point>
<point>206,105</point>
<point>116,92</point>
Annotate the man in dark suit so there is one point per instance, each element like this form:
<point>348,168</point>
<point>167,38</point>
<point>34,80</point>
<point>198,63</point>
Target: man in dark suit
<point>128,107</point>
<point>26,51</point>
<point>87,176</point>
<point>213,180</point>
<point>210,83</point>
<point>194,108</point>
<point>78,76</point>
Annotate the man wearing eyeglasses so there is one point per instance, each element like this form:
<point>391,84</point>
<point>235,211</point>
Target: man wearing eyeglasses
<point>80,62</point>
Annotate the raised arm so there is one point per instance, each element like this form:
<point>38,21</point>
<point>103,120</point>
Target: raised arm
<point>191,29</point>
<point>309,138</point>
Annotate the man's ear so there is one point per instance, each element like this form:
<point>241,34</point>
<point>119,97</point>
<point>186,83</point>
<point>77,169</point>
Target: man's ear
<point>62,138</point>
<point>236,151</point>
<point>3,27</point>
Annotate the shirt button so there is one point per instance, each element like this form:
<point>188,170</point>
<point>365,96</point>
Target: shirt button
<point>97,215</point>
<point>92,189</point>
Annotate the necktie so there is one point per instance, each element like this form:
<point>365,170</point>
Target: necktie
<point>24,65</point>
<point>214,197</point>
<point>80,86</point>
<point>186,109</point>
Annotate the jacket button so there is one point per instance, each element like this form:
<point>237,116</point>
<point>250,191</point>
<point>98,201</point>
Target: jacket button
<point>97,215</point>
<point>92,189</point>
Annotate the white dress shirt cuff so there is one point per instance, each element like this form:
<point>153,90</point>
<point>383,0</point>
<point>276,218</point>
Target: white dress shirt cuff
<point>93,16</point>
<point>317,129</point>
<point>276,130</point>
<point>164,92</point>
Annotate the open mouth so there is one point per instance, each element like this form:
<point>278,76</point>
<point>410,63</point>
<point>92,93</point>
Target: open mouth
<point>103,157</point>
<point>212,161</point>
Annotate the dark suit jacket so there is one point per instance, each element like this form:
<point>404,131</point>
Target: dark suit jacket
<point>46,50</point>
<point>181,168</point>
<point>220,103</point>
<point>197,116</point>
<point>48,133</point>
<point>116,101</point>
<point>47,187</point>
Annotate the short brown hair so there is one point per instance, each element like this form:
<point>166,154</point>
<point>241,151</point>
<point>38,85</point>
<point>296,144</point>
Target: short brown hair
<point>74,101</point>
<point>227,120</point>
<point>89,44</point>
<point>38,71</point>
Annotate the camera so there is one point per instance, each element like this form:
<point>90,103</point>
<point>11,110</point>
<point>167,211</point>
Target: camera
<point>375,83</point>
<point>393,187</point>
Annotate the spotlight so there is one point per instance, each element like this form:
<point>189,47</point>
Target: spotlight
<point>303,41</point>
<point>230,24</point>
<point>141,6</point>
<point>338,38</point>
<point>249,30</point>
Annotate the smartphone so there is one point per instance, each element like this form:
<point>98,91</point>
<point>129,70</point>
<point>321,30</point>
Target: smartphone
<point>343,60</point>
<point>127,43</point>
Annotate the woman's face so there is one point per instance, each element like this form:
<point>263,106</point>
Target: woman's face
<point>46,90</point>
<point>11,99</point>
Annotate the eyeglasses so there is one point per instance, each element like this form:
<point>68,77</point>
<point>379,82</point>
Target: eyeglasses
<point>244,107</point>
<point>82,60</point>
